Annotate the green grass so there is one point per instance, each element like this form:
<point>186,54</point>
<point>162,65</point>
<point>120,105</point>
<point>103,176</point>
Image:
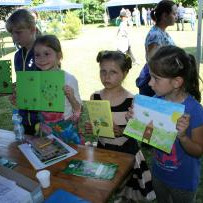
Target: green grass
<point>5,113</point>
<point>79,58</point>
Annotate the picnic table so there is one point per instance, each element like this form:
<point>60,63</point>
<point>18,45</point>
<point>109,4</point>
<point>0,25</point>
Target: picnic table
<point>94,190</point>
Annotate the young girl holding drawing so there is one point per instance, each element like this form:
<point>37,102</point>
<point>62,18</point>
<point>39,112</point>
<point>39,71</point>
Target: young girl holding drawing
<point>174,78</point>
<point>48,54</point>
<point>114,67</point>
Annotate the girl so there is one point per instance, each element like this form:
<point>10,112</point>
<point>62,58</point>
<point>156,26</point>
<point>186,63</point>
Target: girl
<point>48,53</point>
<point>21,25</point>
<point>163,15</point>
<point>114,67</point>
<point>123,35</point>
<point>174,78</point>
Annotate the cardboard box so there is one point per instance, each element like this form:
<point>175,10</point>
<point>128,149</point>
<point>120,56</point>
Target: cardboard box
<point>26,183</point>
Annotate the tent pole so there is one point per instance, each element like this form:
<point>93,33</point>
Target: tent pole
<point>199,36</point>
<point>83,16</point>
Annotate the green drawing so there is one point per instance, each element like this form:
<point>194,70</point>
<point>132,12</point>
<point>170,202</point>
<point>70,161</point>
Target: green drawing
<point>41,90</point>
<point>5,77</point>
<point>101,117</point>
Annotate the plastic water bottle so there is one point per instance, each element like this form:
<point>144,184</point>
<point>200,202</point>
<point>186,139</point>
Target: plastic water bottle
<point>18,127</point>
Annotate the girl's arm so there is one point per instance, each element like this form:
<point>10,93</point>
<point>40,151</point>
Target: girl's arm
<point>69,92</point>
<point>193,145</point>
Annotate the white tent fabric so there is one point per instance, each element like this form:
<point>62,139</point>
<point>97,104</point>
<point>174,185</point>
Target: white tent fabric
<point>56,5</point>
<point>14,2</point>
<point>112,3</point>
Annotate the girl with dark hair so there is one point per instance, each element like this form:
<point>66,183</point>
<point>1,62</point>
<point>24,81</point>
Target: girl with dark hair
<point>163,15</point>
<point>174,78</point>
<point>114,67</point>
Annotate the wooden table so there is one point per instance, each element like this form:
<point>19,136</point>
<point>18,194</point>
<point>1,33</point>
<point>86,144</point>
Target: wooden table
<point>93,190</point>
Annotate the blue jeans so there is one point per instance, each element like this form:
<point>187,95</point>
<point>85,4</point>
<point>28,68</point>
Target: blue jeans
<point>167,194</point>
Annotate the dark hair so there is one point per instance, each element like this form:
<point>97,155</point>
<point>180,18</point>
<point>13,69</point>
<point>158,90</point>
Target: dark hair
<point>164,6</point>
<point>50,41</point>
<point>124,61</point>
<point>172,61</point>
<point>21,18</point>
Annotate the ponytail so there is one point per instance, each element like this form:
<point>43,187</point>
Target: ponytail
<point>192,83</point>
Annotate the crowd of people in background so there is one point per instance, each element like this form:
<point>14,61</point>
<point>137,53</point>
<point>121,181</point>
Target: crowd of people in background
<point>142,16</point>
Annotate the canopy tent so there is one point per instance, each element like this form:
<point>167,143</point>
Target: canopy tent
<point>114,6</point>
<point>14,2</point>
<point>56,5</point>
<point>199,34</point>
<point>130,2</point>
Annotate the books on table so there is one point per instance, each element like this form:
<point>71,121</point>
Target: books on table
<point>154,122</point>
<point>44,152</point>
<point>91,169</point>
<point>62,196</point>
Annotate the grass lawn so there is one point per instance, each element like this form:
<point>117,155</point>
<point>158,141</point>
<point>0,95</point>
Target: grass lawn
<point>79,58</point>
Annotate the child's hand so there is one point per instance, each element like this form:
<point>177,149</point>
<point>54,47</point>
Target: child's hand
<point>12,97</point>
<point>118,131</point>
<point>182,125</point>
<point>129,114</point>
<point>68,91</point>
<point>88,128</point>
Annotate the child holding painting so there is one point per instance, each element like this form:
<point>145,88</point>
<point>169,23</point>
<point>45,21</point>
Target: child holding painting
<point>48,54</point>
<point>174,77</point>
<point>114,67</point>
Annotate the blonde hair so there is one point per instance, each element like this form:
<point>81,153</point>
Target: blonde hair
<point>21,18</point>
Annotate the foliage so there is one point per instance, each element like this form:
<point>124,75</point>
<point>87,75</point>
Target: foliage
<point>5,10</point>
<point>93,11</point>
<point>66,26</point>
<point>72,25</point>
<point>37,2</point>
<point>54,27</point>
<point>188,3</point>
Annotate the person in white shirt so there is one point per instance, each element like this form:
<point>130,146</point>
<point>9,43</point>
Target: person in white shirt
<point>180,16</point>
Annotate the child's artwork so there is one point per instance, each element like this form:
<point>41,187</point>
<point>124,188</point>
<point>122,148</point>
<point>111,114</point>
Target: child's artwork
<point>5,77</point>
<point>40,90</point>
<point>101,117</point>
<point>89,169</point>
<point>155,122</point>
<point>87,138</point>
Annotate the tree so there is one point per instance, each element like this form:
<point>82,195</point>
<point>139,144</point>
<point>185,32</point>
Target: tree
<point>187,3</point>
<point>5,10</point>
